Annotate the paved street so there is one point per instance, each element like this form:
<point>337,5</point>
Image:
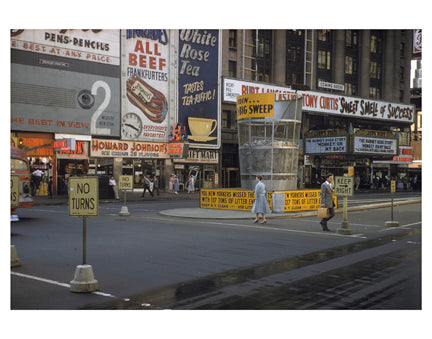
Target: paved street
<point>147,254</point>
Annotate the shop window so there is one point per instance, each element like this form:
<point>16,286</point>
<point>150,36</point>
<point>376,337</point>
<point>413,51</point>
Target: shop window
<point>232,38</point>
<point>373,45</point>
<point>225,119</point>
<point>232,68</point>
<point>350,89</point>
<point>323,35</point>
<point>324,59</point>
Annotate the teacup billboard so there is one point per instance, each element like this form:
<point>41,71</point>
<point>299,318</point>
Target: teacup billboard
<point>198,86</point>
<point>201,128</point>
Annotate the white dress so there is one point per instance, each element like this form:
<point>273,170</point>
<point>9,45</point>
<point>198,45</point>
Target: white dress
<point>260,205</point>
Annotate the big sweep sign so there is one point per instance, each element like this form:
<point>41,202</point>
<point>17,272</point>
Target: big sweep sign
<point>255,106</point>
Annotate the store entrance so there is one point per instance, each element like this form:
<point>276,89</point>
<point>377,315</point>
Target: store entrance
<point>67,168</point>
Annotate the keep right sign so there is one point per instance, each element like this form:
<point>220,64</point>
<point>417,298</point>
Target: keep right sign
<point>344,186</point>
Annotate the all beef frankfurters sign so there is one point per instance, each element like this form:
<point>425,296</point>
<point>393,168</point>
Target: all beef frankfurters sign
<point>145,84</point>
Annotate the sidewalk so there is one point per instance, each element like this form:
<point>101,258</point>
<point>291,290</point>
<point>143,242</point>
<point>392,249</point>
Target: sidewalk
<point>134,195</point>
<point>209,213</point>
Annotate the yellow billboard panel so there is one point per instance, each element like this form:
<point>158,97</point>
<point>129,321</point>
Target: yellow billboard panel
<point>255,105</point>
<point>242,200</point>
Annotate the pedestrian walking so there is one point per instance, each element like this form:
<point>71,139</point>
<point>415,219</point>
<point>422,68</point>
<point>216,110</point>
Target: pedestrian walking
<point>146,186</point>
<point>155,185</point>
<point>171,184</point>
<point>114,187</point>
<point>191,184</point>
<point>50,182</point>
<point>326,199</point>
<point>357,182</point>
<point>260,204</point>
<point>176,184</point>
<point>37,178</point>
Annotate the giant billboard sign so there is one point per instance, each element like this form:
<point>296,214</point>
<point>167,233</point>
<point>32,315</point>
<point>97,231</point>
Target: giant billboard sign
<point>198,94</point>
<point>324,102</point>
<point>66,81</point>
<point>145,84</point>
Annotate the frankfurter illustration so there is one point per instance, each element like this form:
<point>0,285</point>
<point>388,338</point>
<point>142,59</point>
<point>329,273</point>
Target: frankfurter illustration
<point>149,100</point>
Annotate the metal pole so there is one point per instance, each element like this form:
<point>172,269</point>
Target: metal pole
<point>392,207</point>
<point>124,196</point>
<point>345,210</point>
<point>84,240</point>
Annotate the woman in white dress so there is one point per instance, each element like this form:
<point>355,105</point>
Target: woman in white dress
<point>260,205</point>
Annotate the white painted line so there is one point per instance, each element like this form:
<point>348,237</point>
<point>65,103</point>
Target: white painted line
<point>53,282</point>
<point>279,229</point>
<point>257,227</point>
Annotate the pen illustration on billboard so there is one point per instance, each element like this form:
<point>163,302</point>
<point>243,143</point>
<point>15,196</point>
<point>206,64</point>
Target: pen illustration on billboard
<point>198,84</point>
<point>66,81</point>
<point>145,85</point>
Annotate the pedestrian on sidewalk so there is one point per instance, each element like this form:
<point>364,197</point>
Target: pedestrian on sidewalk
<point>114,187</point>
<point>146,187</point>
<point>191,184</point>
<point>326,199</point>
<point>260,205</point>
<point>171,184</point>
<point>176,184</point>
<point>155,185</point>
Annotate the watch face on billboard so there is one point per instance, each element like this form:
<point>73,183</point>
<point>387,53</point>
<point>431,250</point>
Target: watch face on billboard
<point>66,81</point>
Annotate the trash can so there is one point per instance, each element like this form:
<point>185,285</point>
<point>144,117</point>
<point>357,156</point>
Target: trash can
<point>278,202</point>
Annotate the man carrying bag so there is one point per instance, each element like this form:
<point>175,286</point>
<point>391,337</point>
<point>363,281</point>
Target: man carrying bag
<point>327,200</point>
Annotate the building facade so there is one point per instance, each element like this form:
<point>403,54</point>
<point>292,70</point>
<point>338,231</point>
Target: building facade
<point>162,102</point>
<point>360,77</point>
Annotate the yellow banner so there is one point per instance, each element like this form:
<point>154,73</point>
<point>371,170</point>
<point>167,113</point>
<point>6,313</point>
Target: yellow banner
<point>255,105</point>
<point>242,200</point>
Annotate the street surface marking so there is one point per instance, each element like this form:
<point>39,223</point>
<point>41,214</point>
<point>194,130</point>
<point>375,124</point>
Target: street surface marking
<point>53,282</point>
<point>401,226</point>
<point>259,227</point>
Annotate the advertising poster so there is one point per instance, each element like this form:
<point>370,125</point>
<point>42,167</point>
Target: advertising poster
<point>66,81</point>
<point>198,73</point>
<point>145,84</point>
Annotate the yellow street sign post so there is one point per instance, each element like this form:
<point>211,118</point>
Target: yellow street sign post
<point>125,183</point>
<point>14,196</point>
<point>14,190</point>
<point>84,202</point>
<point>344,187</point>
<point>392,223</point>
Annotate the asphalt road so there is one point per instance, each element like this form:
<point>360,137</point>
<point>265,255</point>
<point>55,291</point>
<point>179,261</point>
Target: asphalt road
<point>147,252</point>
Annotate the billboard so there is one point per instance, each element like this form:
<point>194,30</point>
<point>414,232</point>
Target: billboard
<point>324,102</point>
<point>145,84</point>
<point>198,94</point>
<point>66,81</point>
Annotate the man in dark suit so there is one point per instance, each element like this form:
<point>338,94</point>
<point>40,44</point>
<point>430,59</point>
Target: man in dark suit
<point>327,200</point>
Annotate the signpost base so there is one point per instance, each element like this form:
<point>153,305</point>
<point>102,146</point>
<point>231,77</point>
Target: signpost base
<point>392,223</point>
<point>84,280</point>
<point>14,257</point>
<point>124,211</point>
<point>344,229</point>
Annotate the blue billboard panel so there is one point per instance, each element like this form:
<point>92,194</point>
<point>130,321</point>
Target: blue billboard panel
<point>198,72</point>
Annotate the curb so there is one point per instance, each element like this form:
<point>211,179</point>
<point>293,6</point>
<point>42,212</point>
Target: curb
<point>224,214</point>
